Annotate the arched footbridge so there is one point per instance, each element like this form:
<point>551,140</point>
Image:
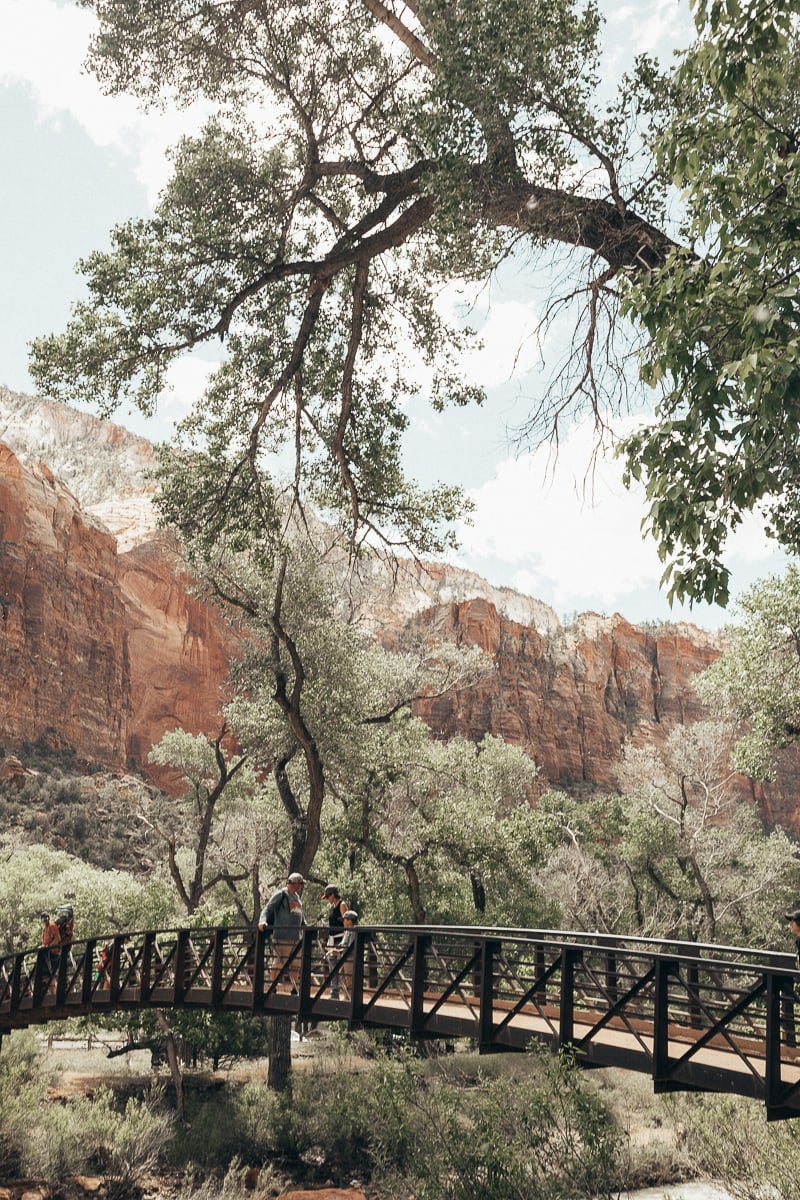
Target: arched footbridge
<point>700,1018</point>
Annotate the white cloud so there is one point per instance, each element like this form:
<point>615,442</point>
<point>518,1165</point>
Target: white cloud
<point>187,379</point>
<point>511,345</point>
<point>43,47</point>
<point>507,330</point>
<point>574,541</point>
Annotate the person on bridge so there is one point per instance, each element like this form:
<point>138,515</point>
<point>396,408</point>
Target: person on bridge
<point>793,917</point>
<point>283,916</point>
<point>335,930</point>
<point>50,952</point>
<point>348,938</point>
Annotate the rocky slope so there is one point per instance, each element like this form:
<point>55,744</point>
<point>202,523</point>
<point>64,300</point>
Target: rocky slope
<point>103,647</point>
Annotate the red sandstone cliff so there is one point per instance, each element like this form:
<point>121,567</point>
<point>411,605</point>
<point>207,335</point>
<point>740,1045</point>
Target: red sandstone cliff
<point>98,650</point>
<point>104,651</point>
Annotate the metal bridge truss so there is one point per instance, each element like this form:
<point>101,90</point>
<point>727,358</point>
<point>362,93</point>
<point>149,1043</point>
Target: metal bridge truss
<point>704,1018</point>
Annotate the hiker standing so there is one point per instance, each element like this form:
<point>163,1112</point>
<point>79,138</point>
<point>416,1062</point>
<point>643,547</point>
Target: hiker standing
<point>335,931</point>
<point>50,951</point>
<point>282,915</point>
<point>348,939</point>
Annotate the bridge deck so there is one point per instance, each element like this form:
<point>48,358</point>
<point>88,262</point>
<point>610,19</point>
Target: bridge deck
<point>710,1018</point>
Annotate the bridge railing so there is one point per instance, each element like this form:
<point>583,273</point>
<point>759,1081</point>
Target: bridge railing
<point>692,1016</point>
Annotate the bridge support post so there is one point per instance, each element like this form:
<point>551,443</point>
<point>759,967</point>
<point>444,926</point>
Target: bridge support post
<point>612,977</point>
<point>114,986</point>
<point>361,948</point>
<point>774,1090</point>
<point>539,964</point>
<point>306,956</point>
<point>181,965</point>
<point>16,981</point>
<point>146,967</point>
<point>259,955</point>
<point>490,950</point>
<point>661,1071</point>
<point>61,977</point>
<point>570,955</point>
<point>41,980</point>
<point>88,971</point>
<point>419,960</point>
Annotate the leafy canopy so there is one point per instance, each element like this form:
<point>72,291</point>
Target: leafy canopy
<point>361,156</point>
<point>757,680</point>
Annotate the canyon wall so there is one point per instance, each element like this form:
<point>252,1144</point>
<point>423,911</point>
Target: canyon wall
<point>103,647</point>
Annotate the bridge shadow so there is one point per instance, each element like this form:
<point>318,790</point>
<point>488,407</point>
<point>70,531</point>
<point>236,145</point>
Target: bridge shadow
<point>698,1018</point>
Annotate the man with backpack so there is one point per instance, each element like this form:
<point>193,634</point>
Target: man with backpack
<point>65,920</point>
<point>282,917</point>
<point>50,951</point>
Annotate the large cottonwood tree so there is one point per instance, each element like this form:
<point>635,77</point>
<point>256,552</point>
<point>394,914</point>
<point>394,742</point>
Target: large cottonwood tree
<point>364,153</point>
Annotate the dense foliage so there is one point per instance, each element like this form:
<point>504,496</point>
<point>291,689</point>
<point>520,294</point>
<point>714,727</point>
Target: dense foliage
<point>757,680</point>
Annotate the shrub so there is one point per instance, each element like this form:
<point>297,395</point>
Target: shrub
<point>23,1087</point>
<point>728,1138</point>
<point>126,1144</point>
<point>247,1122</point>
<point>544,1137</point>
<point>55,1147</point>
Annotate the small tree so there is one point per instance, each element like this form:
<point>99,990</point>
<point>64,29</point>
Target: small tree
<point>680,855</point>
<point>217,790</point>
<point>757,680</point>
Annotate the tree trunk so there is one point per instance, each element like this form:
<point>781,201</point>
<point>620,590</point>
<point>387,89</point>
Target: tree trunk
<point>174,1063</point>
<point>280,1052</point>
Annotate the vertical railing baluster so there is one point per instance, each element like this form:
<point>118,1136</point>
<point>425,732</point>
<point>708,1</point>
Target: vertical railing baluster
<point>540,996</point>
<point>570,955</point>
<point>87,982</point>
<point>180,963</point>
<point>146,966</point>
<point>61,976</point>
<point>40,982</point>
<point>16,982</point>
<point>114,987</point>
<point>773,1083</point>
<point>693,982</point>
<point>612,977</point>
<point>306,958</point>
<point>361,949</point>
<point>259,956</point>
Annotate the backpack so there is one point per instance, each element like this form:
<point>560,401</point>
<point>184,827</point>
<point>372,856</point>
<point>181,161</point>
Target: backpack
<point>280,899</point>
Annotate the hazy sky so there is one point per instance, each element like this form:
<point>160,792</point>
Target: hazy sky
<point>76,162</point>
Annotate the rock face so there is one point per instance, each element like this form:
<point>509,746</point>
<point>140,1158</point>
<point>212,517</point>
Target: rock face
<point>572,699</point>
<point>103,649</point>
<point>63,647</point>
<point>99,651</point>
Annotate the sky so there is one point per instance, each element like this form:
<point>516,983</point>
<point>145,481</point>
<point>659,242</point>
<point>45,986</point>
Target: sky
<point>76,162</point>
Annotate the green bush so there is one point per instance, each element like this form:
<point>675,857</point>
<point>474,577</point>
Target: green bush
<point>411,1126</point>
<point>55,1147</point>
<point>247,1122</point>
<point>546,1136</point>
<point>23,1088</point>
<point>125,1144</point>
<point>729,1139</point>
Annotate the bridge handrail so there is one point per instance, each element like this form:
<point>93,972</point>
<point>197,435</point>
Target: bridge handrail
<point>696,953</point>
